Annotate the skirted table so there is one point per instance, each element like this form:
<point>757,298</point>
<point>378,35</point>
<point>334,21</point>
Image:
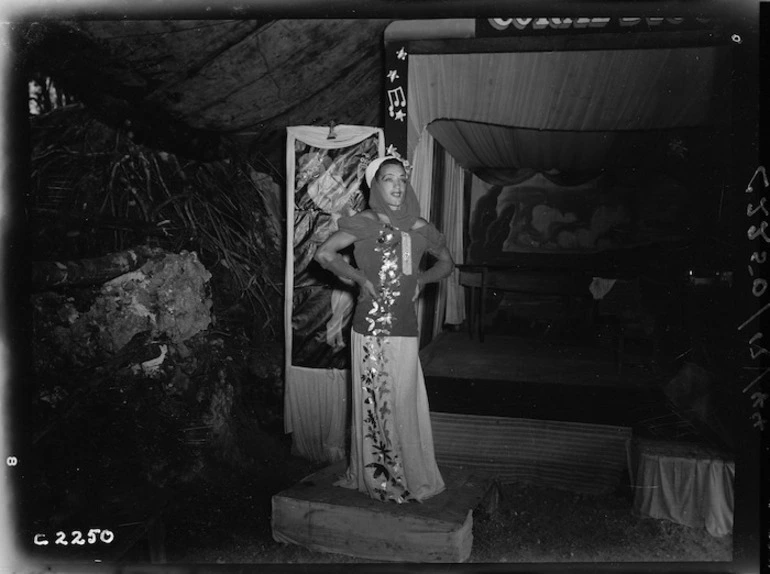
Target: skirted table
<point>686,483</point>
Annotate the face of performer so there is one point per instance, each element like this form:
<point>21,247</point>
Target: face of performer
<point>391,178</point>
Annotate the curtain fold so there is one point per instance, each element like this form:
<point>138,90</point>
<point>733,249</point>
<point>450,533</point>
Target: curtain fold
<point>570,90</point>
<point>316,412</point>
<point>479,146</point>
<point>422,182</point>
<point>450,307</point>
<point>566,108</point>
<point>503,177</point>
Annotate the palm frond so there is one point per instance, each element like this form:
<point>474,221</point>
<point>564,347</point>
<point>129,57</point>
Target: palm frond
<point>227,211</point>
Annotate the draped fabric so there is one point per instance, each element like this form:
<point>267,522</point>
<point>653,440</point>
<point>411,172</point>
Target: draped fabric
<point>422,173</point>
<point>484,145</point>
<point>478,147</point>
<point>451,296</point>
<point>323,179</point>
<point>507,177</point>
<point>507,116</point>
<point>316,412</point>
<point>687,485</point>
<point>422,182</point>
<point>563,106</point>
<point>567,90</point>
<point>502,177</point>
<point>450,306</point>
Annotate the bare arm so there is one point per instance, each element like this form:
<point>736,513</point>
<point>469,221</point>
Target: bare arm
<point>329,258</point>
<point>442,268</point>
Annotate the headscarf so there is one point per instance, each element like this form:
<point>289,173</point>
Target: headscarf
<point>408,212</point>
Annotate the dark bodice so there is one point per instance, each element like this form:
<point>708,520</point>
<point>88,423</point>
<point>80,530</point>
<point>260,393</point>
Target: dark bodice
<point>390,259</point>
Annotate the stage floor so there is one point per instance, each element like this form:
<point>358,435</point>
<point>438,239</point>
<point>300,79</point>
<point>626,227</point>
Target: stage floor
<point>527,378</point>
<point>454,355</point>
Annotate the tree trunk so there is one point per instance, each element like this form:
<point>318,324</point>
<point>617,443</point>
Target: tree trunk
<point>47,274</point>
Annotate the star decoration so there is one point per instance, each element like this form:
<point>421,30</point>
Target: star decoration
<point>401,54</point>
<point>393,76</point>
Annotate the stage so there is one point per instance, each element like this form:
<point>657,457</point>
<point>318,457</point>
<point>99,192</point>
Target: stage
<point>514,410</point>
<point>548,412</point>
<point>501,357</point>
<point>520,377</point>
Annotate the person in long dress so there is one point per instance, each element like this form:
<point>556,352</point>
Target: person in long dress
<point>392,456</point>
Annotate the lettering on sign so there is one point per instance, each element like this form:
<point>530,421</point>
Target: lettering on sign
<point>522,24</point>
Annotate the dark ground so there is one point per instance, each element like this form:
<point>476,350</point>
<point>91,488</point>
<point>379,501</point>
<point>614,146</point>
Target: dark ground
<point>224,517</point>
<point>220,513</point>
<point>532,524</point>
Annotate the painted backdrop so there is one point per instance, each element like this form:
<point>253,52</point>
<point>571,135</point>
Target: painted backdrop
<point>323,178</point>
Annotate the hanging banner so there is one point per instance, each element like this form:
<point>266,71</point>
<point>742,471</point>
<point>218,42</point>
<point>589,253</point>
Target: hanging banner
<point>395,98</point>
<point>324,171</point>
<point>326,188</point>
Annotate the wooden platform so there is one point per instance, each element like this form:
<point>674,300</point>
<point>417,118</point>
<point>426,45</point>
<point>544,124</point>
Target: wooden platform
<point>320,516</point>
<point>520,359</point>
<point>519,378</point>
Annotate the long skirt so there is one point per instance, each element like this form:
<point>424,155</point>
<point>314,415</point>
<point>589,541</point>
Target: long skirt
<point>391,451</point>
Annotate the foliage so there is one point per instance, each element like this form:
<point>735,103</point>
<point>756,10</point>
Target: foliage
<point>94,191</point>
<point>45,95</point>
<point>109,428</point>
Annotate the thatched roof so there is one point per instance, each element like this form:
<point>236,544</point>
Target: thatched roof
<point>184,83</point>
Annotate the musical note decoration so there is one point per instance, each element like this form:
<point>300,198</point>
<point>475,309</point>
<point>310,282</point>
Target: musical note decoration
<point>396,72</point>
<point>396,99</point>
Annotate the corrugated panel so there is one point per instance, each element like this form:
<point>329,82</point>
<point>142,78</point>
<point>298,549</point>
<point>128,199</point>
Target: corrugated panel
<point>581,457</point>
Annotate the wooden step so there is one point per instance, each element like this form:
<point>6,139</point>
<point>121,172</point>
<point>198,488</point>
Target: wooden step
<point>320,516</point>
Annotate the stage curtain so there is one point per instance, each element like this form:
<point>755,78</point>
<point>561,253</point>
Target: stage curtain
<point>504,177</point>
<point>451,297</point>
<point>322,183</point>
<point>422,182</point>
<point>316,410</point>
<point>477,145</point>
<point>568,90</point>
<point>579,156</point>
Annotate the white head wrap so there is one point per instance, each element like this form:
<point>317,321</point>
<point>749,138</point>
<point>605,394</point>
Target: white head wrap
<point>374,165</point>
